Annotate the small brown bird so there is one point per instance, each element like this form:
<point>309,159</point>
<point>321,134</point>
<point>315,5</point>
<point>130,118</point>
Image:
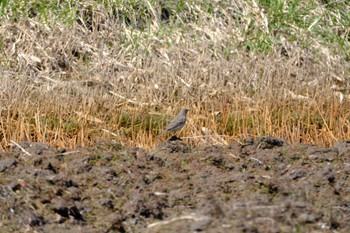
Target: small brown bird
<point>177,123</point>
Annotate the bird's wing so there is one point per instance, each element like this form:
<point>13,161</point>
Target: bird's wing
<point>175,123</point>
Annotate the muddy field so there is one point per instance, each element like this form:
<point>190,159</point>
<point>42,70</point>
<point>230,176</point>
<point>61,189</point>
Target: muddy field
<point>263,185</point>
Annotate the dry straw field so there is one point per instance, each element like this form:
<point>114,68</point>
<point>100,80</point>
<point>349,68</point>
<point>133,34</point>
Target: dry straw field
<point>73,72</point>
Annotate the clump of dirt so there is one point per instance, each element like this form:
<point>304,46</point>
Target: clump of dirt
<point>262,185</point>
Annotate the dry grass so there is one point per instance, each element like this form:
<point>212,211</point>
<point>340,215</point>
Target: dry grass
<point>99,76</point>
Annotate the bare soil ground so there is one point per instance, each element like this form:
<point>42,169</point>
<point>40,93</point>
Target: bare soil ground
<point>262,185</point>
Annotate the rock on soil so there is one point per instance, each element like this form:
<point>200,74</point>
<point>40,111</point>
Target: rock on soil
<point>263,185</point>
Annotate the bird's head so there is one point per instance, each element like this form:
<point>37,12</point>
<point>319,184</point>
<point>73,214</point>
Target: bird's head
<point>184,111</point>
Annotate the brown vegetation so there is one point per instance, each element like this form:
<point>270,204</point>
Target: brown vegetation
<point>69,84</point>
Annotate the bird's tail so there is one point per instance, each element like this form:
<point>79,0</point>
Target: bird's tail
<point>161,133</point>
